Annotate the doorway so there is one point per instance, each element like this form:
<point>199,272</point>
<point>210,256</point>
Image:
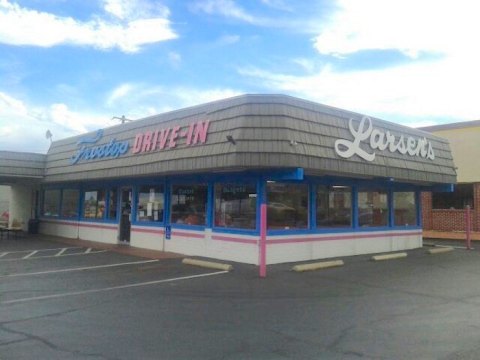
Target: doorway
<point>125,215</point>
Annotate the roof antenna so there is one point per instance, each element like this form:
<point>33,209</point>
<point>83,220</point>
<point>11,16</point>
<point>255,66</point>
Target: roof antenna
<point>122,119</point>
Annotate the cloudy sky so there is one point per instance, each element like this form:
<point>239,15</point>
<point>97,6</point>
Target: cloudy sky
<point>69,66</point>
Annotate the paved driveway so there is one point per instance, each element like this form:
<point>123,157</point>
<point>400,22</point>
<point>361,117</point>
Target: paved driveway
<point>85,303</point>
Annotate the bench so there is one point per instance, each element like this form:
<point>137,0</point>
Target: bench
<point>10,229</point>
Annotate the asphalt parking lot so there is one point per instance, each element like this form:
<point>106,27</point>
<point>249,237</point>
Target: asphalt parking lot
<point>61,301</point>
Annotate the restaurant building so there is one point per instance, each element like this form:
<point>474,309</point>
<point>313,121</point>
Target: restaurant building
<point>193,181</point>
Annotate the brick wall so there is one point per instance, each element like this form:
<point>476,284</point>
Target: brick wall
<point>449,219</point>
<point>476,207</point>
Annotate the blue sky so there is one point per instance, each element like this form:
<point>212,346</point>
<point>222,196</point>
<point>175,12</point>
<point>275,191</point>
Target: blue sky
<point>69,66</point>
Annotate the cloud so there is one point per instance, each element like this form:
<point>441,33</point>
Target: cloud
<point>409,26</point>
<point>227,8</point>
<point>129,29</point>
<point>137,100</point>
<point>23,126</point>
<point>403,94</point>
<point>278,4</point>
<point>135,9</point>
<point>175,59</point>
<point>228,40</point>
<point>118,93</point>
<point>307,64</point>
<point>422,88</point>
<point>296,17</point>
<point>231,10</point>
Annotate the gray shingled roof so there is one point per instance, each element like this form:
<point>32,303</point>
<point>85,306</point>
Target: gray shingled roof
<point>18,167</point>
<point>264,128</point>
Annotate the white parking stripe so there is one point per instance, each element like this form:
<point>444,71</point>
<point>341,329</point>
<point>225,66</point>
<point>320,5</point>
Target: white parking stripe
<point>30,255</point>
<point>3,254</point>
<point>52,256</point>
<point>55,296</point>
<point>88,251</point>
<point>46,249</point>
<point>61,252</point>
<point>79,268</point>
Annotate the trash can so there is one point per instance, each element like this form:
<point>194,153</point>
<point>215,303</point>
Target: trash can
<point>33,226</point>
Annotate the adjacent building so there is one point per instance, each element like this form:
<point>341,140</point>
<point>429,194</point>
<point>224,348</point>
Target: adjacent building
<point>445,211</point>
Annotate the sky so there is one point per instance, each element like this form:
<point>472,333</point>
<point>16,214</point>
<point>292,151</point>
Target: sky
<point>72,66</point>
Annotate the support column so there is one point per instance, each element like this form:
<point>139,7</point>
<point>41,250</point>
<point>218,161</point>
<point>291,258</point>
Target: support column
<point>426,206</point>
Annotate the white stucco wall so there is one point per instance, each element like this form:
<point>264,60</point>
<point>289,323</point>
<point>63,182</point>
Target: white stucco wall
<point>21,204</point>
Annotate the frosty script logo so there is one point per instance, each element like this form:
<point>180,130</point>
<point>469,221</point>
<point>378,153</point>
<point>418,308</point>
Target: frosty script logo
<point>112,149</point>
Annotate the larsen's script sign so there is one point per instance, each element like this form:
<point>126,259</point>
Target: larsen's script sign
<point>112,149</point>
<point>382,141</point>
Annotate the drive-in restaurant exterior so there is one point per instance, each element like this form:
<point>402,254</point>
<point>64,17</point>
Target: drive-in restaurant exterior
<point>192,181</point>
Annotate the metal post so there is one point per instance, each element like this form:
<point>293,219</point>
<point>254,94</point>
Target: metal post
<point>468,227</point>
<point>263,241</point>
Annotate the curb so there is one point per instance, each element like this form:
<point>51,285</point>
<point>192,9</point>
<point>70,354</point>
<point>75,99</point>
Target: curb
<point>318,265</point>
<point>440,250</point>
<point>389,256</point>
<point>207,264</point>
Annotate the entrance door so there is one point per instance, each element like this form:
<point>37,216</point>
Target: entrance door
<point>125,215</point>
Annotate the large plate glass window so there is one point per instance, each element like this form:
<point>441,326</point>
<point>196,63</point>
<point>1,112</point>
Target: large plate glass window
<point>334,206</point>
<point>405,208</point>
<point>372,208</point>
<point>94,204</point>
<point>150,203</point>
<point>287,206</point>
<point>235,206</point>
<point>189,204</point>
<point>51,203</point>
<point>70,200</point>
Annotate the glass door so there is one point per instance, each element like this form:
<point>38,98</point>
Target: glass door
<point>125,215</point>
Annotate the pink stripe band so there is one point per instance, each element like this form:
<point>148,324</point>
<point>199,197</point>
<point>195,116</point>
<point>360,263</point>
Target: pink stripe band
<point>235,240</point>
<point>80,224</point>
<point>187,234</point>
<point>343,237</point>
<point>98,226</point>
<point>148,231</point>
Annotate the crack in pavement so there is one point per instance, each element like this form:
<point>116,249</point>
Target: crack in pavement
<point>51,345</point>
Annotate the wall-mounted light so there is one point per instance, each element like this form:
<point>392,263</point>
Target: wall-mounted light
<point>231,139</point>
<point>293,143</point>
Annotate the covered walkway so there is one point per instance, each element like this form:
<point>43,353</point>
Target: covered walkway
<point>22,172</point>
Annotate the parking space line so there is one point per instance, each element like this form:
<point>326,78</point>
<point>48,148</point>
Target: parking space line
<point>52,256</point>
<point>46,249</point>
<point>30,255</point>
<point>61,252</point>
<point>3,254</point>
<point>79,268</point>
<point>120,287</point>
<point>88,251</point>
